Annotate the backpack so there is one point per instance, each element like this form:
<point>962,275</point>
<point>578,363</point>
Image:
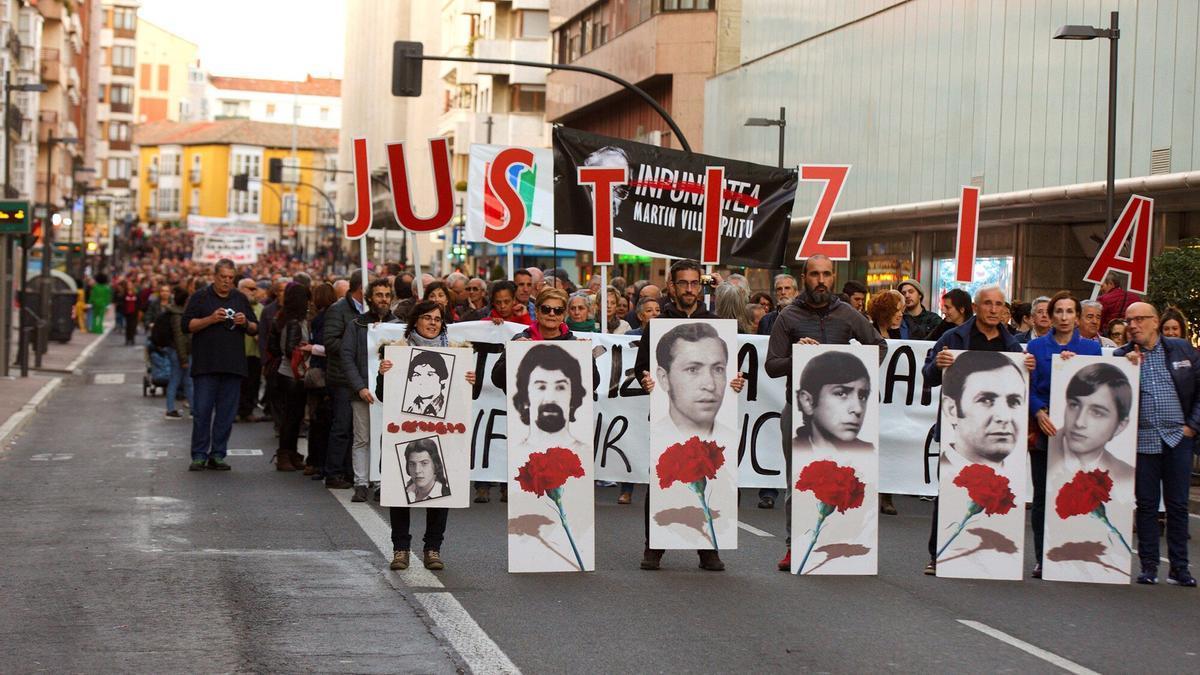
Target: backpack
<point>162,333</point>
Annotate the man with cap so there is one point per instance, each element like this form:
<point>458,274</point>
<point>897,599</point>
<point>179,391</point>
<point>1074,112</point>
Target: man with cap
<point>918,321</point>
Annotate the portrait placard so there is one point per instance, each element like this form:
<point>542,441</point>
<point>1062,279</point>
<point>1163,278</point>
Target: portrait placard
<point>1090,470</point>
<point>426,458</point>
<point>551,500</point>
<point>835,459</point>
<point>984,421</point>
<point>693,434</point>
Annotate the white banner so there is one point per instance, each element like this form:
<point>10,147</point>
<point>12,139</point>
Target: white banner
<point>209,248</point>
<point>534,186</point>
<point>621,436</point>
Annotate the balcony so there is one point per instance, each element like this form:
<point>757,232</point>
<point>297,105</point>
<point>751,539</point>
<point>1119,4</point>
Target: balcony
<point>51,66</point>
<point>194,176</point>
<point>120,145</point>
<point>51,10</point>
<point>47,125</point>
<point>519,129</point>
<point>117,182</point>
<point>120,107</point>
<point>513,50</point>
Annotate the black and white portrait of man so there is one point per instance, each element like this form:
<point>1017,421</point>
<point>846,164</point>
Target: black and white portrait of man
<point>610,157</point>
<point>549,391</point>
<point>692,368</point>
<point>424,471</point>
<point>1099,399</point>
<point>428,379</point>
<point>984,410</point>
<point>833,398</point>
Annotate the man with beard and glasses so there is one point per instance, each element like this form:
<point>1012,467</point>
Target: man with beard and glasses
<point>814,317</point>
<point>549,391</point>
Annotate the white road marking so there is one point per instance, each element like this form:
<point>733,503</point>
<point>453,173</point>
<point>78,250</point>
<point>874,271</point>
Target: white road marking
<point>243,452</point>
<point>51,457</point>
<point>1049,657</point>
<point>474,645</point>
<point>109,378</point>
<point>754,530</point>
<point>18,418</point>
<point>146,454</point>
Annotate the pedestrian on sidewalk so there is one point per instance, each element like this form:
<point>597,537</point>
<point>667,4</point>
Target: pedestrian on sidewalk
<point>178,350</point>
<point>340,315</point>
<point>127,305</point>
<point>316,383</point>
<point>248,398</point>
<point>1168,421</point>
<point>218,319</point>
<point>354,367</point>
<point>99,298</point>
<point>291,336</point>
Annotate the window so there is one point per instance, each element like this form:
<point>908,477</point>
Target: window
<point>170,164</point>
<point>121,93</point>
<point>103,90</point>
<point>195,162</point>
<point>164,76</point>
<point>123,56</point>
<point>118,131</point>
<point>989,271</point>
<point>119,168</point>
<point>194,203</point>
<point>533,24</point>
<point>685,5</point>
<point>270,110</point>
<point>528,98</point>
<point>144,77</point>
<point>124,18</point>
<point>168,200</point>
<point>324,114</point>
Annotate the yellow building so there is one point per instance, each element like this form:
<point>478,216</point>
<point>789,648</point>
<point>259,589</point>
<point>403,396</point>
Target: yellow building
<point>190,169</point>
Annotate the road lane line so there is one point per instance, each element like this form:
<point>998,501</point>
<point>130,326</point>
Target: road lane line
<point>87,351</point>
<point>1049,657</point>
<point>18,418</point>
<point>467,638</point>
<point>754,530</point>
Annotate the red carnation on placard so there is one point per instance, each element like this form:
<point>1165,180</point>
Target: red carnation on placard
<point>987,489</point>
<point>544,474</point>
<point>989,492</point>
<point>836,487</point>
<point>693,462</point>
<point>1087,493</point>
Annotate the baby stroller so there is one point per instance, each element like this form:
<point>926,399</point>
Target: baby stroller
<point>158,371</point>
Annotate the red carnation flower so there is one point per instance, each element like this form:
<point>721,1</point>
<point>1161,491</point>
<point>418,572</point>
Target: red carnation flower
<point>691,461</point>
<point>549,470</point>
<point>987,489</point>
<point>1083,494</point>
<point>837,486</point>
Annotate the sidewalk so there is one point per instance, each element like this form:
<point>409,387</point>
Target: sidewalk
<point>19,396</point>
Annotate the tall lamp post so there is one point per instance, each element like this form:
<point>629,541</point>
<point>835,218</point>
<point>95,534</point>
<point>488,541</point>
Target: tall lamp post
<point>1113,34</point>
<point>6,255</point>
<point>767,122</point>
<point>47,251</point>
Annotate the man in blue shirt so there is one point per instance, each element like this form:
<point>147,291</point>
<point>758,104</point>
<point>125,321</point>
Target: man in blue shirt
<point>1063,339</point>
<point>1168,420</point>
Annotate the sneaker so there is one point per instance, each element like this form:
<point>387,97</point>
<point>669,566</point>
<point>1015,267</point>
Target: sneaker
<point>173,415</point>
<point>360,493</point>
<point>766,502</point>
<point>1037,571</point>
<point>196,465</point>
<point>711,561</point>
<point>625,498</point>
<point>399,560</point>
<point>218,464</point>
<point>433,561</point>
<point>651,558</point>
<point>336,483</point>
<point>481,495</point>
<point>1181,577</point>
<point>931,568</point>
<point>1148,577</point>
<point>377,494</point>
<point>785,563</point>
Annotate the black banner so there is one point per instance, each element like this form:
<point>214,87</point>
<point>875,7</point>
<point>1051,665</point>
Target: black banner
<point>661,210</point>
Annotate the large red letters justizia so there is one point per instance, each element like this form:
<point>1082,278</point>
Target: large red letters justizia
<point>813,244</point>
<point>1137,216</point>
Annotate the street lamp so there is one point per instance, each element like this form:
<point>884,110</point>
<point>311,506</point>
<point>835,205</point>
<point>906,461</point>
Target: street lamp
<point>767,122</point>
<point>1112,33</point>
<point>47,251</point>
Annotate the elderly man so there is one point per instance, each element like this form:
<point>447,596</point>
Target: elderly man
<point>1089,323</point>
<point>539,279</point>
<point>475,298</point>
<point>1039,320</point>
<point>786,290</point>
<point>1168,421</point>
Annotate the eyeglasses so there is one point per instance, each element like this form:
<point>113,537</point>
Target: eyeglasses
<point>430,318</point>
<point>689,284</point>
<point>1139,319</point>
<point>551,310</point>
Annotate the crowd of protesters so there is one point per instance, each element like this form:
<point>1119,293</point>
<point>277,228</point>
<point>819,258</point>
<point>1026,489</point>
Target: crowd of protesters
<point>284,341</point>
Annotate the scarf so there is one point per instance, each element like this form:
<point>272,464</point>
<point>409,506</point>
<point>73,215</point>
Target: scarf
<point>417,340</point>
<point>583,326</point>
<point>535,332</point>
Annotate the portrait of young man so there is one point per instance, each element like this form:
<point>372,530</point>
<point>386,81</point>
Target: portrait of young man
<point>549,391</point>
<point>425,470</point>
<point>692,370</point>
<point>1099,399</point>
<point>984,398</point>
<point>833,397</point>
<point>428,379</point>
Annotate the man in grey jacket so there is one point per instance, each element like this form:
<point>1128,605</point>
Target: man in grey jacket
<point>814,317</point>
<point>354,367</point>
<point>340,315</point>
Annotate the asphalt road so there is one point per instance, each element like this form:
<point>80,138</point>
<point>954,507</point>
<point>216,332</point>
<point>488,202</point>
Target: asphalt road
<point>116,558</point>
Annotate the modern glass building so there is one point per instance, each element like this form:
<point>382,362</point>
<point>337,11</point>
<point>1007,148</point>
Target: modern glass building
<point>924,96</point>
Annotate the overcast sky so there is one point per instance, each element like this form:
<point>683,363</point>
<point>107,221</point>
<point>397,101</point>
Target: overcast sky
<point>277,39</point>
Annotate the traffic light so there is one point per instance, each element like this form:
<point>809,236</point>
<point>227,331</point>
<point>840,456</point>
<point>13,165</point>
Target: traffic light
<point>275,170</point>
<point>406,68</point>
<point>241,182</point>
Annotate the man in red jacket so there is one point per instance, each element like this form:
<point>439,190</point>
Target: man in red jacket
<point>1114,299</point>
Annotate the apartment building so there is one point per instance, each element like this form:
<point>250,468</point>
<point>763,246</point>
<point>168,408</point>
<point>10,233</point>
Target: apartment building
<point>116,158</point>
<point>163,61</point>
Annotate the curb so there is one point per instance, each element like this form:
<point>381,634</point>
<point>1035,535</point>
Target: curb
<point>18,419</point>
<point>87,351</point>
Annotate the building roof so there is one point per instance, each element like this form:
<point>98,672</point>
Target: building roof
<point>311,86</point>
<point>234,131</point>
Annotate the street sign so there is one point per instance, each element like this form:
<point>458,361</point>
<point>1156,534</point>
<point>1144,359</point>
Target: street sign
<point>14,217</point>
